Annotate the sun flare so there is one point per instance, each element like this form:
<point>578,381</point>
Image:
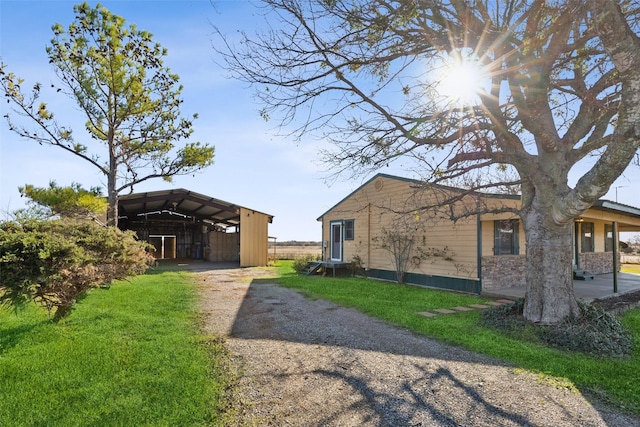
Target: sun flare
<point>460,79</point>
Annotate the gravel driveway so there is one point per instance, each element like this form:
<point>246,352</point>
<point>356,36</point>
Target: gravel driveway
<point>312,363</point>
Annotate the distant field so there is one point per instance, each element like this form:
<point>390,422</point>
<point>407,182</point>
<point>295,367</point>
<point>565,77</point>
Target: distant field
<point>292,252</point>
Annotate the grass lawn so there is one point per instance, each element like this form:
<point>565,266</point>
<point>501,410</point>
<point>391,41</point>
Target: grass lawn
<point>613,380</point>
<point>630,268</point>
<point>128,355</point>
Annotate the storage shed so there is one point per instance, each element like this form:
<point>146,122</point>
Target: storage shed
<point>185,224</point>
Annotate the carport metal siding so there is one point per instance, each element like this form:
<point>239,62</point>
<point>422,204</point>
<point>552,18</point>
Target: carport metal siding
<point>186,202</point>
<point>254,241</point>
<point>192,210</point>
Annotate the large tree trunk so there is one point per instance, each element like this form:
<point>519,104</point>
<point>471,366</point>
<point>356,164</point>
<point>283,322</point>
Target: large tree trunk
<point>112,193</point>
<point>112,210</point>
<point>549,269</point>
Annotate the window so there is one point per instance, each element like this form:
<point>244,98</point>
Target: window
<point>608,238</point>
<point>349,229</point>
<point>506,237</point>
<point>586,235</point>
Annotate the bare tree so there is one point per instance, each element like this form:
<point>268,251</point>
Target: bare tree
<point>401,241</point>
<point>559,89</point>
<point>398,241</point>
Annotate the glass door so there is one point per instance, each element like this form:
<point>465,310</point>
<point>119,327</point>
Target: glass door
<point>336,241</point>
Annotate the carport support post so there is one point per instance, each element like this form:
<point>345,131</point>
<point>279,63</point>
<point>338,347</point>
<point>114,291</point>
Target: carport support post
<point>615,256</point>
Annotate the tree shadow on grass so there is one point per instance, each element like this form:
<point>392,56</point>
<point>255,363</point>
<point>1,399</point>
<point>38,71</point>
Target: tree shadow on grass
<point>10,337</point>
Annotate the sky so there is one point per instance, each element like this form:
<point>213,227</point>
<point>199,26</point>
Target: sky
<point>256,165</point>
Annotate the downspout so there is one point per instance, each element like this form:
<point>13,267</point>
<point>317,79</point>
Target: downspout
<point>369,236</point>
<point>479,251</point>
<point>576,234</point>
<point>615,256</point>
<point>324,247</point>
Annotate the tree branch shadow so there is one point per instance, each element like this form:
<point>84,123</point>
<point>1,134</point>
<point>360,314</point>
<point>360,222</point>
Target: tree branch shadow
<point>390,407</point>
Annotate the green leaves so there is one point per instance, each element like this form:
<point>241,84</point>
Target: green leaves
<point>196,155</point>
<point>72,201</point>
<point>54,262</point>
<point>43,113</point>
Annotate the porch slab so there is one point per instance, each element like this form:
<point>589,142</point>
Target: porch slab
<point>335,265</point>
<point>588,290</point>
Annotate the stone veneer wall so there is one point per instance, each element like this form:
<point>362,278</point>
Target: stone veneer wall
<point>506,271</point>
<point>597,262</point>
<point>503,271</point>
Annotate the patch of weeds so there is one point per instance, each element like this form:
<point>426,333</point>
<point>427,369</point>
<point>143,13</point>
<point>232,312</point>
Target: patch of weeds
<point>595,332</point>
<point>549,380</point>
<point>227,375</point>
<point>300,262</point>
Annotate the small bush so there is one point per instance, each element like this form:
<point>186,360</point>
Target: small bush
<point>300,262</point>
<point>595,332</point>
<point>55,262</point>
<point>505,316</point>
<point>357,266</point>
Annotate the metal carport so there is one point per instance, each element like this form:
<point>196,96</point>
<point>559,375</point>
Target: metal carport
<point>186,224</point>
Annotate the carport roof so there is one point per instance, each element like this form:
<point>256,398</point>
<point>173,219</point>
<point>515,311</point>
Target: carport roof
<point>183,202</point>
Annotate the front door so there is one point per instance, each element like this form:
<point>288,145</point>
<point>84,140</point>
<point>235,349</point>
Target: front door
<point>336,241</point>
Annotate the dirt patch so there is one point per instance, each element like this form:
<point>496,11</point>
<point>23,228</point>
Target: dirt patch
<point>620,303</point>
<point>310,363</point>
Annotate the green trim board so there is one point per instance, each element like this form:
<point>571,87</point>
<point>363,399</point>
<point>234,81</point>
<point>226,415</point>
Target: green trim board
<point>472,286</point>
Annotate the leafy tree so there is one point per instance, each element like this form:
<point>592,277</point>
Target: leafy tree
<point>131,101</point>
<point>67,202</point>
<point>55,262</point>
<point>558,88</point>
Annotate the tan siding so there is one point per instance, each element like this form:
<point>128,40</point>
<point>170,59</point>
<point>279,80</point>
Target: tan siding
<point>254,244</point>
<point>598,236</point>
<point>370,208</point>
<point>487,238</point>
<point>609,217</point>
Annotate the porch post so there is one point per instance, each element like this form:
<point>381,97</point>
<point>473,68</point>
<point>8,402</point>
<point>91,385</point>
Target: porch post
<point>615,257</point>
<point>576,235</point>
<point>479,250</point>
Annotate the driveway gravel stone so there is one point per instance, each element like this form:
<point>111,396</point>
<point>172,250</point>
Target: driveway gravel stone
<point>307,362</point>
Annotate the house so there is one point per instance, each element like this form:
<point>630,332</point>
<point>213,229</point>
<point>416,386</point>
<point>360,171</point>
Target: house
<point>185,224</point>
<point>447,249</point>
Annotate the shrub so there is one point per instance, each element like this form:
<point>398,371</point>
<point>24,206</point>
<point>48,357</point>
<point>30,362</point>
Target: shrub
<point>55,262</point>
<point>595,332</point>
<point>300,262</point>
